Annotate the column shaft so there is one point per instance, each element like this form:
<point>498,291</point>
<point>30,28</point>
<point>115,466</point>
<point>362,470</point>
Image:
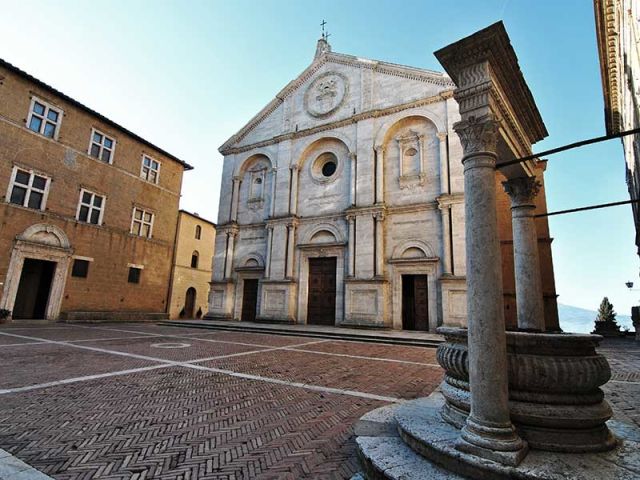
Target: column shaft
<point>274,175</point>
<point>445,211</point>
<point>352,185</point>
<point>488,431</point>
<point>529,298</point>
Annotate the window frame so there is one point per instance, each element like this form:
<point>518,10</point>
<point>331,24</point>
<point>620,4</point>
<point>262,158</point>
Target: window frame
<point>91,206</point>
<point>134,268</point>
<point>102,147</point>
<point>142,221</point>
<point>195,255</point>
<point>29,187</point>
<point>73,265</point>
<point>198,232</point>
<point>142,167</point>
<point>48,106</point>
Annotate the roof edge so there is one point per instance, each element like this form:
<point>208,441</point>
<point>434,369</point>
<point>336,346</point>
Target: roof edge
<point>76,103</point>
<point>195,215</point>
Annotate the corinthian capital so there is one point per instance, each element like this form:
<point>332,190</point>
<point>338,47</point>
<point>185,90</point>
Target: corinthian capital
<point>478,134</point>
<point>522,190</point>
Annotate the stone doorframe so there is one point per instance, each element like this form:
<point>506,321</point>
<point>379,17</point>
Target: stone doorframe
<point>243,274</point>
<point>320,251</point>
<point>425,266</point>
<point>39,242</point>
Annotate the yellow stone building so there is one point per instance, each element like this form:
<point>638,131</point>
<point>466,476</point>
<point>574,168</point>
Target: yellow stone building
<point>192,265</point>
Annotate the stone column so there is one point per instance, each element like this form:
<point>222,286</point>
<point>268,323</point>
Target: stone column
<point>352,245</point>
<point>445,212</point>
<point>379,217</point>
<point>444,167</point>
<point>231,237</point>
<point>274,175</point>
<point>379,174</point>
<point>352,186</point>
<point>529,298</point>
<point>235,191</point>
<point>291,234</point>
<point>488,431</point>
<point>293,207</point>
<point>267,261</point>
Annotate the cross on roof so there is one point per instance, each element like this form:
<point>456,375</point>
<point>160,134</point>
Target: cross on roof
<point>325,35</point>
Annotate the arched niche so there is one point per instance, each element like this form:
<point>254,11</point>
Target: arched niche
<point>254,198</point>
<point>45,234</point>
<point>252,261</point>
<point>323,233</point>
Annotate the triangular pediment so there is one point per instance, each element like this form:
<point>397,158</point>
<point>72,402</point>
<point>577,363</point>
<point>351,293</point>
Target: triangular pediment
<point>335,87</point>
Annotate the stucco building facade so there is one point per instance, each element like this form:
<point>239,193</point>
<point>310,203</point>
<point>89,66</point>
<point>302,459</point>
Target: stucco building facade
<point>89,209</point>
<point>342,203</point>
<point>192,266</point>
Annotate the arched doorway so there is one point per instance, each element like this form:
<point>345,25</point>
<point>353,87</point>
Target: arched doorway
<point>190,303</point>
<point>37,273</point>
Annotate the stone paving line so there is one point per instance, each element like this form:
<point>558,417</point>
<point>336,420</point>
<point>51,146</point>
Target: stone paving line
<point>287,347</point>
<point>231,373</point>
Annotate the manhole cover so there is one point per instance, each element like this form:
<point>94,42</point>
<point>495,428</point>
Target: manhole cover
<point>170,345</point>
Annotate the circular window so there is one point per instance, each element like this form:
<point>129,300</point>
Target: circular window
<point>329,169</point>
<point>325,168</point>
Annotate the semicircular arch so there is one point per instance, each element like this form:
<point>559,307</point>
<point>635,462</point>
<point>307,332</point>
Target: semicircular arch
<point>46,234</point>
<point>409,248</point>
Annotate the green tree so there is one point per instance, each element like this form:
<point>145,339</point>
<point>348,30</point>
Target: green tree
<point>606,312</point>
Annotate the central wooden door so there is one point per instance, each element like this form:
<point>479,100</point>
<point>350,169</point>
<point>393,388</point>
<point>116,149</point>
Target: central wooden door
<point>249,300</point>
<point>415,302</point>
<point>321,308</point>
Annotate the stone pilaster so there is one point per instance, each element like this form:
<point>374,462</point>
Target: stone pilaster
<point>379,174</point>
<point>379,227</point>
<point>293,198</point>
<point>291,245</point>
<point>274,177</point>
<point>267,266</point>
<point>488,431</point>
<point>228,262</point>
<point>235,192</point>
<point>352,179</point>
<point>351,246</point>
<point>529,298</point>
<point>444,166</point>
<point>445,212</point>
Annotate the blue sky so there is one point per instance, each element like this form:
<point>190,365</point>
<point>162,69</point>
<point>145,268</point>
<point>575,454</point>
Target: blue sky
<point>186,75</point>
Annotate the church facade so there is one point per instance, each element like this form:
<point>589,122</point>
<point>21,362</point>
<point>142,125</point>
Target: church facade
<point>342,203</point>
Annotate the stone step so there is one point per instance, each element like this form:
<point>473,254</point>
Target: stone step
<point>327,333</point>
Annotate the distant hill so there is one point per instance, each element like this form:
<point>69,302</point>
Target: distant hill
<point>580,320</point>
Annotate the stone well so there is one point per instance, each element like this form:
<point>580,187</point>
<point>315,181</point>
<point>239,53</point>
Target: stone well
<point>555,400</point>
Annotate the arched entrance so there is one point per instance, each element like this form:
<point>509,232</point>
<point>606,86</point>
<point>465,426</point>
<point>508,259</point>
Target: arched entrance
<point>37,273</point>
<point>190,303</point>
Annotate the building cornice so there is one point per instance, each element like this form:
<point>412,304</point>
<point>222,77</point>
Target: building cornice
<point>608,40</point>
<point>229,149</point>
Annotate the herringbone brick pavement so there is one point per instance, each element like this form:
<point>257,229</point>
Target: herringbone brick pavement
<point>399,380</point>
<point>179,423</point>
<point>377,350</point>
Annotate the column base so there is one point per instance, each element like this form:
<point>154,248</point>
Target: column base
<point>498,443</point>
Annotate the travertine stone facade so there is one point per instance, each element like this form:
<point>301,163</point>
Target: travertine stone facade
<point>59,228</point>
<point>355,160</point>
<point>192,266</point>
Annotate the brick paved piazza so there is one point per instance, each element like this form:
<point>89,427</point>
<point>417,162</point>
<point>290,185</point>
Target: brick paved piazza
<point>144,401</point>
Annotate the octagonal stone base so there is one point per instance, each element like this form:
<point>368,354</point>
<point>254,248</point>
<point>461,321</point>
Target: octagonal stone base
<point>411,441</point>
<point>554,389</point>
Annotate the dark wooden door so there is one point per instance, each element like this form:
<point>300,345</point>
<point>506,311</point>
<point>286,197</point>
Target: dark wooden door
<point>415,302</point>
<point>33,290</point>
<point>249,300</point>
<point>321,308</point>
<point>190,303</point>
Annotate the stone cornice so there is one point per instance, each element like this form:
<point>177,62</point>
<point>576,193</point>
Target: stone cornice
<point>450,199</point>
<point>228,147</point>
<point>608,40</point>
<point>415,207</point>
<point>366,210</point>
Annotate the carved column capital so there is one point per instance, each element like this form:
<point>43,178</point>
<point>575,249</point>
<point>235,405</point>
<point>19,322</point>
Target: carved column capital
<point>478,134</point>
<point>442,136</point>
<point>294,168</point>
<point>351,218</point>
<point>353,155</point>
<point>522,191</point>
<point>378,216</point>
<point>237,178</point>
